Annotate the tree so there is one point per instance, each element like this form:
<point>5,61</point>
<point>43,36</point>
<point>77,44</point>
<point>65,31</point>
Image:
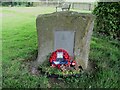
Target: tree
<point>107,19</point>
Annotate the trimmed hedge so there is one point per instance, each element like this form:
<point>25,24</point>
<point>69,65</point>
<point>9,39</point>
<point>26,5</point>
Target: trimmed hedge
<point>108,19</point>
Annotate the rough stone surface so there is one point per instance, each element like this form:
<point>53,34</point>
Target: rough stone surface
<point>81,23</point>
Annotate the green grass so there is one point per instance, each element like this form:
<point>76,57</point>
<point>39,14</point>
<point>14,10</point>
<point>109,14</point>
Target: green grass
<point>19,39</point>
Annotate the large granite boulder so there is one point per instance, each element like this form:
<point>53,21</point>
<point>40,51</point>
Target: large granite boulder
<point>80,23</point>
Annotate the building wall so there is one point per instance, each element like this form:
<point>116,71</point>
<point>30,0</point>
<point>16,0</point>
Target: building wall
<point>45,3</point>
<point>74,5</point>
<point>83,6</point>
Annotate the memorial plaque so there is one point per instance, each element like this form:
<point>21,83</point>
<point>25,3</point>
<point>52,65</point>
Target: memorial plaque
<point>64,40</point>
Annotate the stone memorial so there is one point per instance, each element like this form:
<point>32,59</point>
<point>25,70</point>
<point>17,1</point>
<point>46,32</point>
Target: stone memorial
<point>68,30</point>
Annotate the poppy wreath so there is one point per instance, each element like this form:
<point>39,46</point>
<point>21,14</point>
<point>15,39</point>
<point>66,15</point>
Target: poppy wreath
<point>53,58</point>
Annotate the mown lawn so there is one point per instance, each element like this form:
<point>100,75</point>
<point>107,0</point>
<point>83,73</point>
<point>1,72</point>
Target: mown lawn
<point>19,42</point>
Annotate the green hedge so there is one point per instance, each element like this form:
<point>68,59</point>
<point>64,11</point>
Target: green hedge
<point>108,19</point>
<point>27,4</point>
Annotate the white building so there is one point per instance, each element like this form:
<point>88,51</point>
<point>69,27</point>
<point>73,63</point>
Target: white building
<point>75,4</point>
<point>82,4</point>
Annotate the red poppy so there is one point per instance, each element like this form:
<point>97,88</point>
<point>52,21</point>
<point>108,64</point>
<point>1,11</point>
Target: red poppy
<point>54,57</point>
